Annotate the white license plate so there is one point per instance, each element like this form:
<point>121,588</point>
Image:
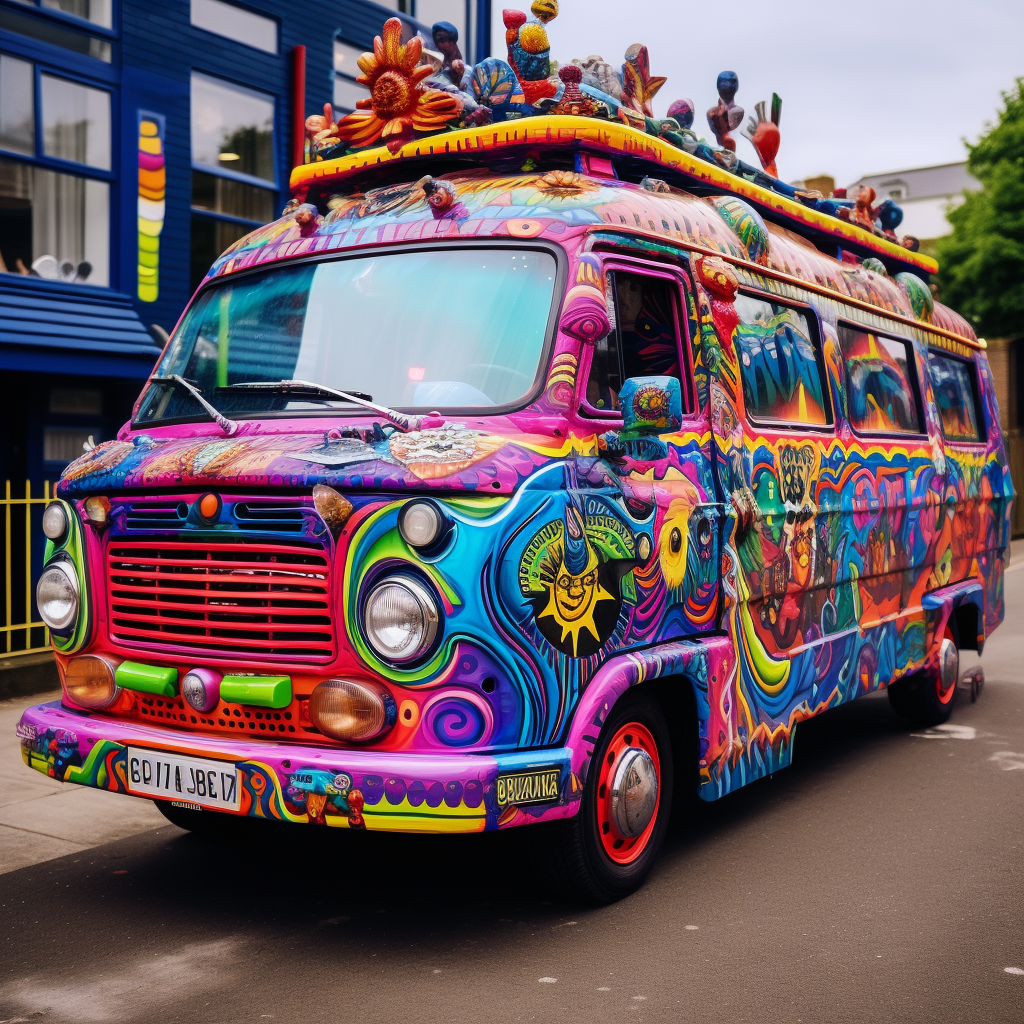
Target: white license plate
<point>193,780</point>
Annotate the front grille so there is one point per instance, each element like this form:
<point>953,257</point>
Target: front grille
<point>256,601</point>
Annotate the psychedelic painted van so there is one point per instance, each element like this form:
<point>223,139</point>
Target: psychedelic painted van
<point>523,474</point>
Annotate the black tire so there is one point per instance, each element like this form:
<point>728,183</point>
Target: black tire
<point>920,698</point>
<point>208,824</point>
<point>574,851</point>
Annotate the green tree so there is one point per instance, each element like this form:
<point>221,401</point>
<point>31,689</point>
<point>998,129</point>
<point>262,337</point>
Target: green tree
<point>981,264</point>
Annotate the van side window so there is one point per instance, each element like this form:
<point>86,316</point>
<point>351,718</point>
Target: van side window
<point>780,363</point>
<point>644,339</point>
<point>956,394</point>
<point>880,383</point>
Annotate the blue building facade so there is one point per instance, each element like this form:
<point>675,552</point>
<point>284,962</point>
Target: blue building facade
<point>137,140</point>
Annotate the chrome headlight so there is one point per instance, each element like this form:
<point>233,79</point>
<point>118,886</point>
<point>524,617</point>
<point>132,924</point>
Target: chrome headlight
<point>400,617</point>
<point>57,595</point>
<point>423,525</point>
<point>55,522</point>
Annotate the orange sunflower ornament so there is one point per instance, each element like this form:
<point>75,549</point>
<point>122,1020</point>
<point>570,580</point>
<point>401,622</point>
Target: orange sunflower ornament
<point>398,104</point>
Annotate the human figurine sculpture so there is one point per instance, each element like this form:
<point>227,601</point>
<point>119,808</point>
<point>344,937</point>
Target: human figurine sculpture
<point>725,116</point>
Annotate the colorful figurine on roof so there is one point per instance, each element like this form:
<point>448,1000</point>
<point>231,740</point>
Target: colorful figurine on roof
<point>398,105</point>
<point>682,111</point>
<point>639,86</point>
<point>763,133</point>
<point>416,91</point>
<point>446,41</point>
<point>529,51</point>
<point>725,116</point>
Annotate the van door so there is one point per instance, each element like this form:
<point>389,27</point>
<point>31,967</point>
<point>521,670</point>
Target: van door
<point>666,477</point>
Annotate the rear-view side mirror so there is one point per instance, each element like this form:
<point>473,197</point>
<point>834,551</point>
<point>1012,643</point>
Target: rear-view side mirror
<point>651,405</point>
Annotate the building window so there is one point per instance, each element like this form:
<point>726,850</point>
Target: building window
<point>17,108</point>
<point>76,122</point>
<point>57,32</point>
<point>236,23</point>
<point>346,89</point>
<point>53,223</point>
<point>232,154</point>
<point>96,11</point>
<point>232,128</point>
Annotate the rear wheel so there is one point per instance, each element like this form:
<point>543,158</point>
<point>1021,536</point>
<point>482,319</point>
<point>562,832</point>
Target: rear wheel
<point>926,697</point>
<point>606,851</point>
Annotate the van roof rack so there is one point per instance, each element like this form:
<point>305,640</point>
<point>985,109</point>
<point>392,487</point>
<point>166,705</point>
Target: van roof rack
<point>629,154</point>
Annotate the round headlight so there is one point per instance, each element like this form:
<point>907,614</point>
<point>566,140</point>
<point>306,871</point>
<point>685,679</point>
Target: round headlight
<point>421,524</point>
<point>349,710</point>
<point>400,619</point>
<point>201,689</point>
<point>57,595</point>
<point>55,521</point>
<point>89,681</point>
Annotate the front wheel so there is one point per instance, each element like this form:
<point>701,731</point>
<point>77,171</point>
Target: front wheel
<point>606,851</point>
<point>926,697</point>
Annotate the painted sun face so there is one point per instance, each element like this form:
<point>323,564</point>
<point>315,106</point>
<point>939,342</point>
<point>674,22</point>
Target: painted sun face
<point>573,601</point>
<point>575,594</point>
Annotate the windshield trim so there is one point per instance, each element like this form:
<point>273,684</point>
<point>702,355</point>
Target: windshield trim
<point>347,411</point>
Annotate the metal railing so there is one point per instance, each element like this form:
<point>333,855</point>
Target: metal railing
<point>21,634</point>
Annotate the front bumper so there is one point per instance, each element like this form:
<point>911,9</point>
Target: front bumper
<point>293,782</point>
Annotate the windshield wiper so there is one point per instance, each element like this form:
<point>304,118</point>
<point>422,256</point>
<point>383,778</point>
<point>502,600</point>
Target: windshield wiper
<point>229,426</point>
<point>310,389</point>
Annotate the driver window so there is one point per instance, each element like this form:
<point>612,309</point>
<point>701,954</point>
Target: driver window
<point>644,339</point>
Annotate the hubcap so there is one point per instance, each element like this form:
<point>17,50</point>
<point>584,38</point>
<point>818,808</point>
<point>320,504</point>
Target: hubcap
<point>949,664</point>
<point>628,792</point>
<point>634,792</point>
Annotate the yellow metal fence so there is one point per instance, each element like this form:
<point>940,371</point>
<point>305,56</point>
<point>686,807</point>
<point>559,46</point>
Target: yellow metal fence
<point>23,548</point>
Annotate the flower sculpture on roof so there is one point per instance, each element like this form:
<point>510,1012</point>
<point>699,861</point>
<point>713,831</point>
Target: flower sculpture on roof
<point>398,104</point>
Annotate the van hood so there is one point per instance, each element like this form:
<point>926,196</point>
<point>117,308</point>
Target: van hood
<point>450,457</point>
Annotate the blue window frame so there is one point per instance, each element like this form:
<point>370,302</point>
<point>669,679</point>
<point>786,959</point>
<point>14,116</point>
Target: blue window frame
<point>56,178</point>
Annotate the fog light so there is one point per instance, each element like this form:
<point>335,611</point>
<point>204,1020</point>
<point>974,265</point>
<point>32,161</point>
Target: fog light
<point>422,524</point>
<point>57,595</point>
<point>201,689</point>
<point>400,619</point>
<point>349,710</point>
<point>89,681</point>
<point>55,522</point>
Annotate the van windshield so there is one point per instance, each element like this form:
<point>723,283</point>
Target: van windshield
<point>434,329</point>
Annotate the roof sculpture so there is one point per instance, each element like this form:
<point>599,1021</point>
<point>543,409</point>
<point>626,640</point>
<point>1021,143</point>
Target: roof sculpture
<point>418,93</point>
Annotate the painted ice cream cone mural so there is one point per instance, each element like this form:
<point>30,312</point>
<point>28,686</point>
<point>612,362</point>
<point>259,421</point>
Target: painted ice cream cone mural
<point>152,190</point>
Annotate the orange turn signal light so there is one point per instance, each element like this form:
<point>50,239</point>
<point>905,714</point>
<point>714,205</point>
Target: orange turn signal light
<point>89,681</point>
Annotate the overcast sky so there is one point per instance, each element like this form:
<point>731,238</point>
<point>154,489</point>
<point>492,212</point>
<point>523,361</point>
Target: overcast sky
<point>866,87</point>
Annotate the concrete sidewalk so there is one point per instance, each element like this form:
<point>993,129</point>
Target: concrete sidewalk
<point>41,819</point>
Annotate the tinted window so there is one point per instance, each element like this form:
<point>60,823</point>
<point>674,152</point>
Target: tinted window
<point>779,363</point>
<point>953,384</point>
<point>377,324</point>
<point>644,340</point>
<point>881,394</point>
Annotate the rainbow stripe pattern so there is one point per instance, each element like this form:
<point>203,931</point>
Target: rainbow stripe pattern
<point>152,191</point>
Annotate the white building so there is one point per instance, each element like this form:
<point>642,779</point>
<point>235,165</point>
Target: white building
<point>925,194</point>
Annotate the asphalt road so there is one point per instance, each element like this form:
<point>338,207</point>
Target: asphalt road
<point>877,879</point>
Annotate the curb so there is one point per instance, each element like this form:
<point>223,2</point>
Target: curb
<point>28,675</point>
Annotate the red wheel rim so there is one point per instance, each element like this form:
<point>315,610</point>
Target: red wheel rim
<point>620,849</point>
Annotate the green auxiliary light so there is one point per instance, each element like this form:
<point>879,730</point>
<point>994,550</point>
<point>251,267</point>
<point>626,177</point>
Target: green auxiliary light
<point>260,691</point>
<point>159,679</point>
